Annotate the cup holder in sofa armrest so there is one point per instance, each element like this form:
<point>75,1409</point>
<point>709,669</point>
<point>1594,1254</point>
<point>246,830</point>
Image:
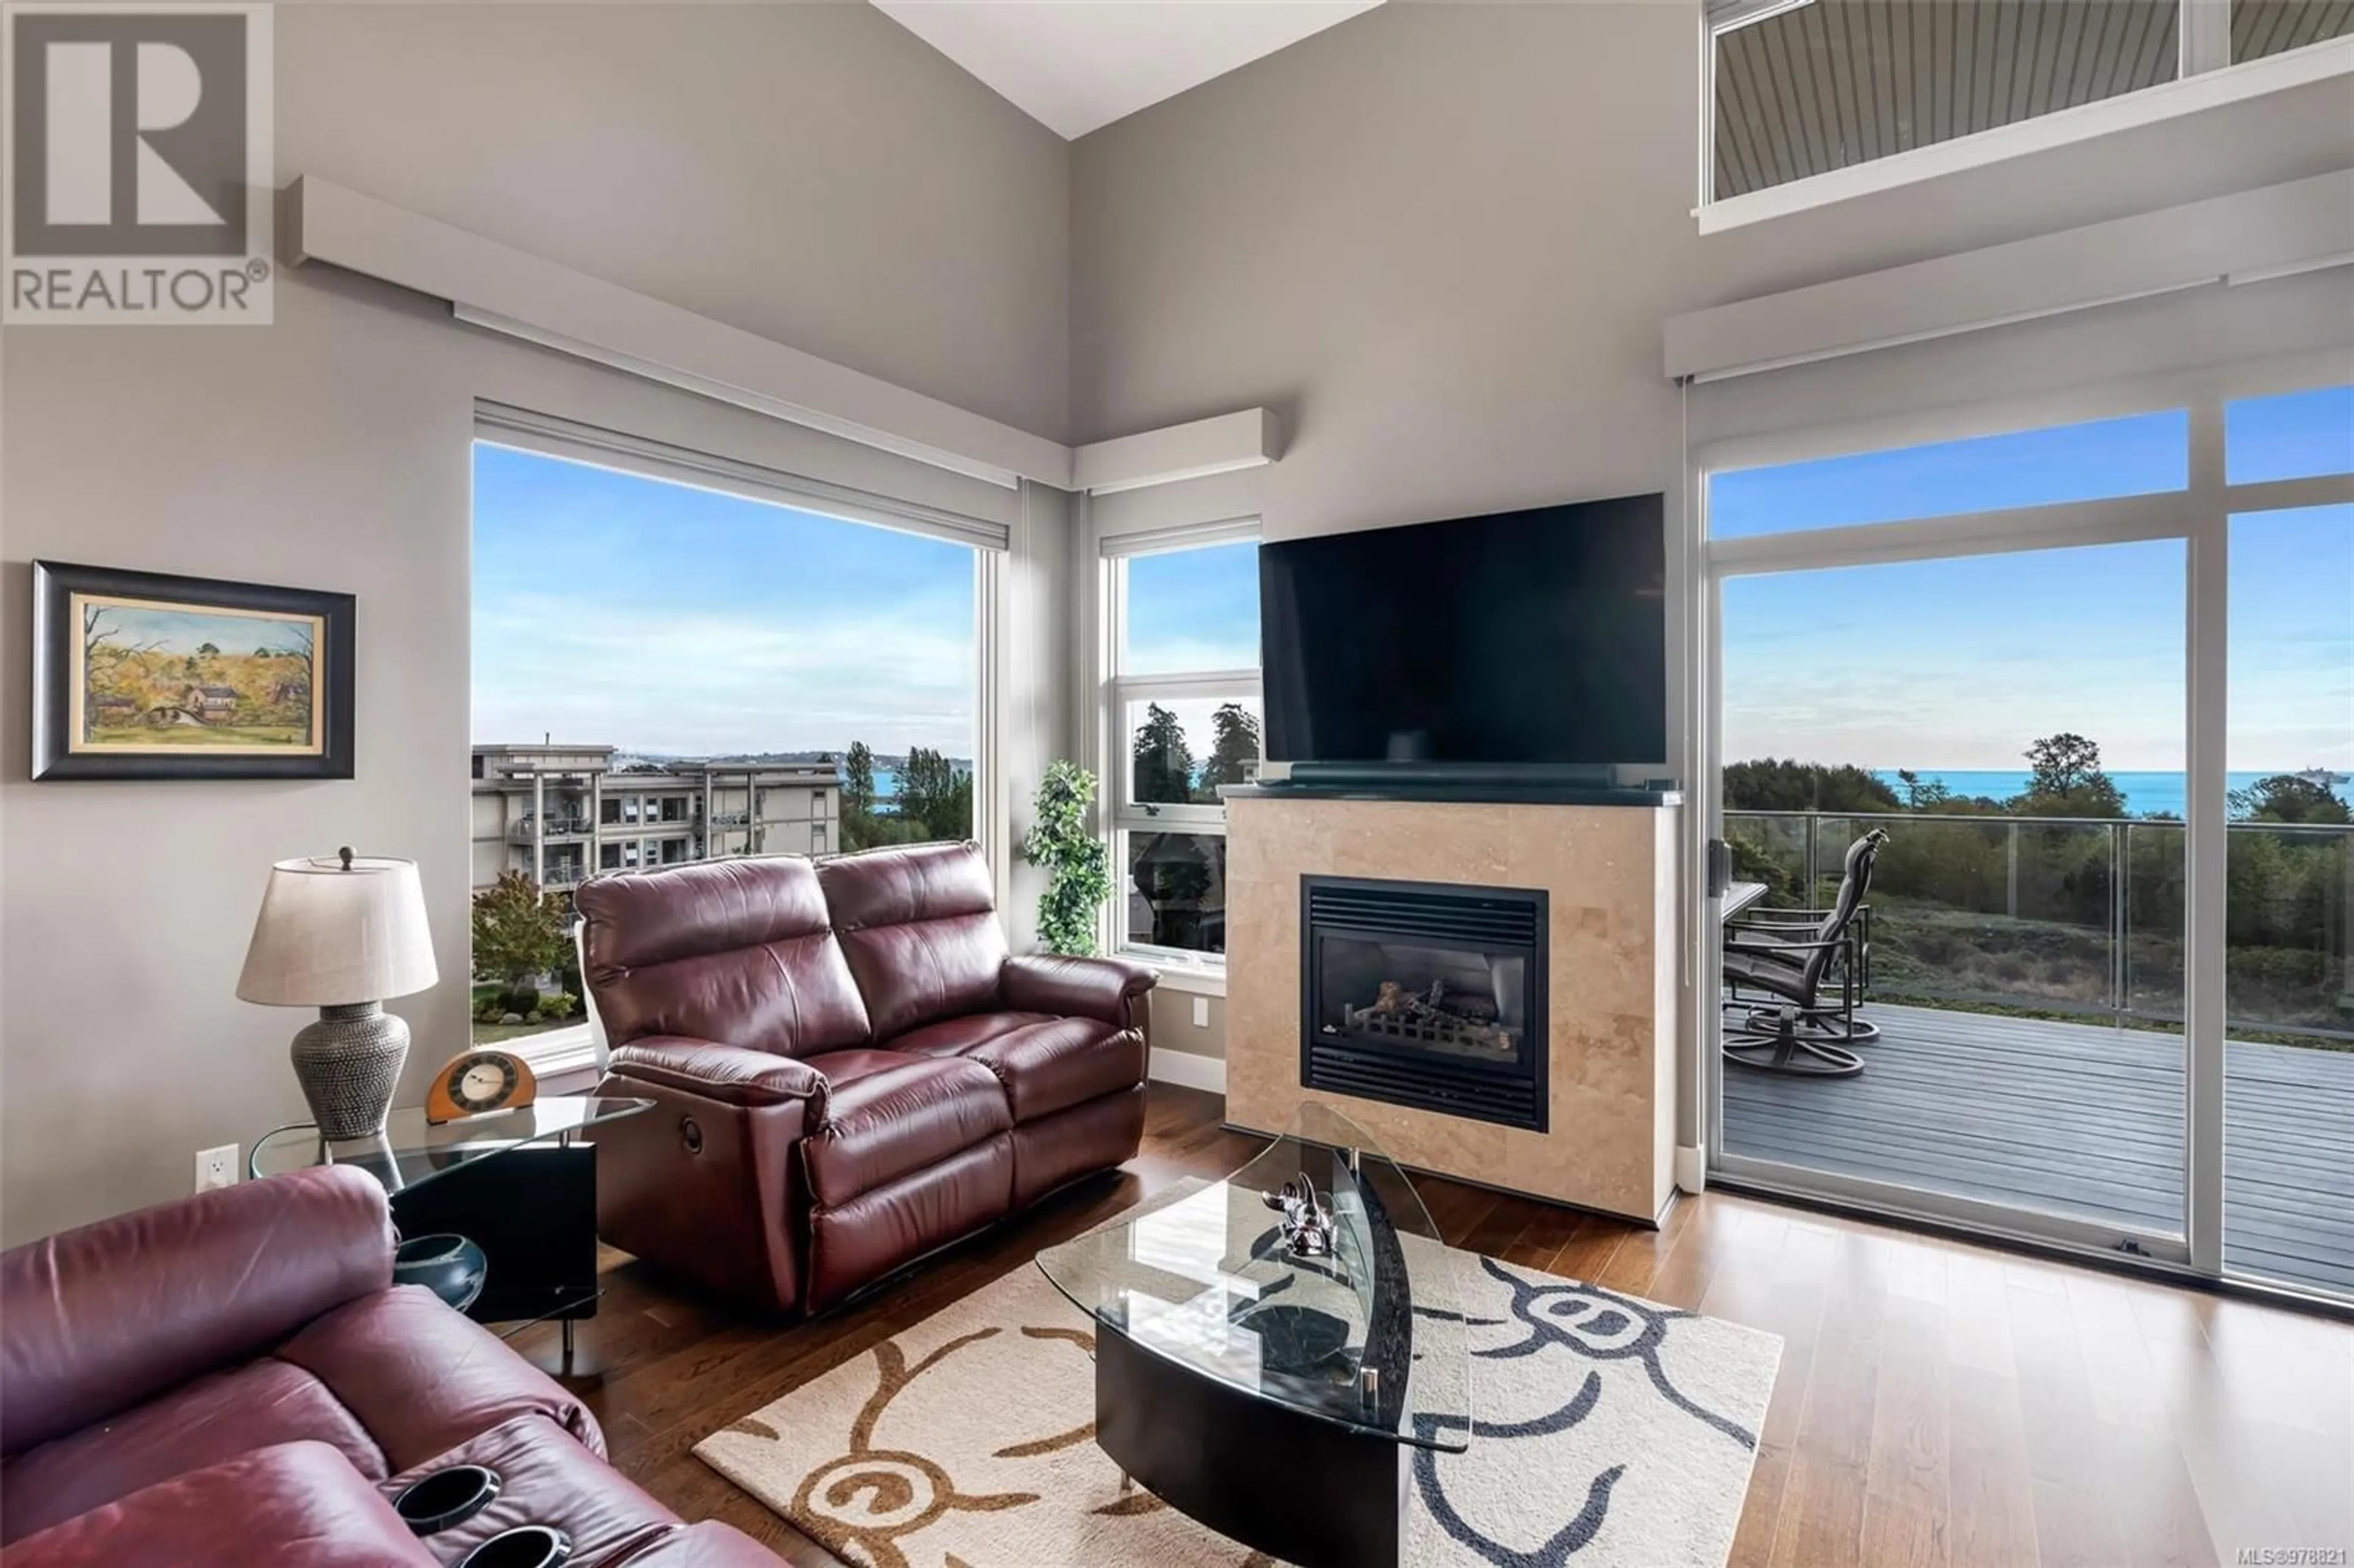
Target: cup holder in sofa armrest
<point>528,1546</point>
<point>446,1497</point>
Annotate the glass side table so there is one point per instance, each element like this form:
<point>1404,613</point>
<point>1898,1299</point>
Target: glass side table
<point>519,1185</point>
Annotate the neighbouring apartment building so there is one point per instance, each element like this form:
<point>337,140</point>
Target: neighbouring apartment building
<point>562,813</point>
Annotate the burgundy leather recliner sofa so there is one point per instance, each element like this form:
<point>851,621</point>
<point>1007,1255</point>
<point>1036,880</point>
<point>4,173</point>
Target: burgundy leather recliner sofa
<point>850,1069</point>
<point>233,1380</point>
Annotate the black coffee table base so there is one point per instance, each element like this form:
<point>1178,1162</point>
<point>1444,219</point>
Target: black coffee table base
<point>1276,1478</point>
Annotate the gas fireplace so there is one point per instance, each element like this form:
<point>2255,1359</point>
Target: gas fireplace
<point>1425,994</point>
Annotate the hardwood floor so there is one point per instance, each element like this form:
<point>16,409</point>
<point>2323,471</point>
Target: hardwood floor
<point>1938,1403</point>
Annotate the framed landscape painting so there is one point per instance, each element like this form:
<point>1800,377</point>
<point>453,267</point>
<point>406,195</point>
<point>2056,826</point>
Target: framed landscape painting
<point>141,675</point>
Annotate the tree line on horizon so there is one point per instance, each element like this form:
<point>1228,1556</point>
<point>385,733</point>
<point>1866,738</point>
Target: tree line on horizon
<point>2019,910</point>
<point>2064,780</point>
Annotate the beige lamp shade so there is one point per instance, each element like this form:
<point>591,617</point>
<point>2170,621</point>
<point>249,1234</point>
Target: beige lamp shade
<point>339,929</point>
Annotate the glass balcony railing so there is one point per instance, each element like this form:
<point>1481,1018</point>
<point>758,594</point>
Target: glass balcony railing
<point>2068,916</point>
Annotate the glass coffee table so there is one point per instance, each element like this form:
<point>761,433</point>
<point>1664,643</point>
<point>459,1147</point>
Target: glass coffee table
<point>502,1207</point>
<point>1272,1348</point>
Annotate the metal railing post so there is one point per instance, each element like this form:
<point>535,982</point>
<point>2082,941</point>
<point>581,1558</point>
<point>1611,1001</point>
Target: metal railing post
<point>2010,871</point>
<point>2116,921</point>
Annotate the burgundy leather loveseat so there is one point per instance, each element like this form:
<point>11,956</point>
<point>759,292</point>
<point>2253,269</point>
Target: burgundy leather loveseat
<point>232,1380</point>
<point>849,1068</point>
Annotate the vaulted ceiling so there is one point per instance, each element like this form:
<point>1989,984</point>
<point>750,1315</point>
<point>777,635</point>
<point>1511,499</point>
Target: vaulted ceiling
<point>1076,65</point>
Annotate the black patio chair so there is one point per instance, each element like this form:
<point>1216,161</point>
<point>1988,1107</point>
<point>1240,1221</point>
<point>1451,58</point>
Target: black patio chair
<point>1796,957</point>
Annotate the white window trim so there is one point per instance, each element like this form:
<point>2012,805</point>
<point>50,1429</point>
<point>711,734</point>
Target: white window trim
<point>2196,91</point>
<point>1200,972</point>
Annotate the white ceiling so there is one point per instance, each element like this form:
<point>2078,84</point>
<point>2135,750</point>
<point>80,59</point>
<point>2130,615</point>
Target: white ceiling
<point>1074,65</point>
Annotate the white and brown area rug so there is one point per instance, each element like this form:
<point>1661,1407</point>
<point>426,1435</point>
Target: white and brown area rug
<point>1608,1430</point>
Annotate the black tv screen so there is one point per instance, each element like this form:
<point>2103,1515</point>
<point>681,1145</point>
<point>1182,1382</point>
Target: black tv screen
<point>1523,637</point>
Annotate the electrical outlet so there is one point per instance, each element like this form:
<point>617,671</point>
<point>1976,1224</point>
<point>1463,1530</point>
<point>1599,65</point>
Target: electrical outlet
<point>216,1168</point>
<point>1201,1012</point>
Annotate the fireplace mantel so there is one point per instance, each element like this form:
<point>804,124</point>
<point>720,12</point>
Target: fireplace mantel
<point>1609,874</point>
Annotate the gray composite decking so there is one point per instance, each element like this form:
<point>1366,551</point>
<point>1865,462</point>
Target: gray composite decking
<point>2078,1120</point>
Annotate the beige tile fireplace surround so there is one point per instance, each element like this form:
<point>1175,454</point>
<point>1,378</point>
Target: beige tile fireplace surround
<point>1610,872</point>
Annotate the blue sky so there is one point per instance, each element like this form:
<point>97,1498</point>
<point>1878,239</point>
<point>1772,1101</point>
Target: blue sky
<point>1959,664</point>
<point>1193,610</point>
<point>614,610</point>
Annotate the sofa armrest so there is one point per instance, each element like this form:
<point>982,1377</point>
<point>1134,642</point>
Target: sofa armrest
<point>97,1319</point>
<point>732,1074</point>
<point>1111,989</point>
<point>295,1505</point>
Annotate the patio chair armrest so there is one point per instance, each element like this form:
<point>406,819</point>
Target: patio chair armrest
<point>1779,947</point>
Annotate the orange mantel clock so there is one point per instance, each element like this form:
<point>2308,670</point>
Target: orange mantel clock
<point>476,1083</point>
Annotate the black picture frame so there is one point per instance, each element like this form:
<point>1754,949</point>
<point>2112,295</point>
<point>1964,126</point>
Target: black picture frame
<point>59,666</point>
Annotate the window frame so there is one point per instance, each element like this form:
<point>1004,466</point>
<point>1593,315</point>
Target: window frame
<point>2200,516</point>
<point>1118,815</point>
<point>992,544</point>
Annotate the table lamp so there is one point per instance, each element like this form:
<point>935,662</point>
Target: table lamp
<point>341,934</point>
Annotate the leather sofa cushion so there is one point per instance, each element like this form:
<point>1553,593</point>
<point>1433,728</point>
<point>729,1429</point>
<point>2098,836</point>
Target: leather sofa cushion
<point>1046,1063</point>
<point>737,951</point>
<point>954,1036</point>
<point>892,1118</point>
<point>422,1379</point>
<point>547,1478</point>
<point>213,1419</point>
<point>919,926</point>
<point>295,1505</point>
<point>872,1234</point>
<point>101,1319</point>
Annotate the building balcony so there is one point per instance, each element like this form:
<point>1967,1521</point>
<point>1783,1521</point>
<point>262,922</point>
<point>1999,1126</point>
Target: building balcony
<point>525,830</point>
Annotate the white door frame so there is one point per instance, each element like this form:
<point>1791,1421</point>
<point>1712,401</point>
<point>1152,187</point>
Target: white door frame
<point>2198,514</point>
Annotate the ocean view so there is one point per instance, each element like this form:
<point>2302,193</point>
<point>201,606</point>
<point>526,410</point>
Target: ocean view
<point>2146,793</point>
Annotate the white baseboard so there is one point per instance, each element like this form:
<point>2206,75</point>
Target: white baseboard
<point>1691,1169</point>
<point>1182,1067</point>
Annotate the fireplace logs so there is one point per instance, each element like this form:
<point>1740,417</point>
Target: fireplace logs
<point>1437,1016</point>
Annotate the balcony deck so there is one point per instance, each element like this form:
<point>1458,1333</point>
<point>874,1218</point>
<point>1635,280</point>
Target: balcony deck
<point>2079,1119</point>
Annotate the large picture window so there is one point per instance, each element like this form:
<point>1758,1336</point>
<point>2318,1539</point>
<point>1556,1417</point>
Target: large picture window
<point>1185,720</point>
<point>665,674</point>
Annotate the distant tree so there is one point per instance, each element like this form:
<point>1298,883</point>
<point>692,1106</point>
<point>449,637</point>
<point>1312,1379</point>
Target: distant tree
<point>2286,797</point>
<point>857,781</point>
<point>1773,784</point>
<point>2065,780</point>
<point>208,648</point>
<point>519,932</point>
<point>937,794</point>
<point>1163,762</point>
<point>1233,750</point>
<point>1921,797</point>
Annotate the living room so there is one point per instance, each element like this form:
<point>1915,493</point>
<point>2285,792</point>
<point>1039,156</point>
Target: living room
<point>1802,549</point>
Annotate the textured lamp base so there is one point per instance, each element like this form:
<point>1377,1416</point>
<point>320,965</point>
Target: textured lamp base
<point>349,1064</point>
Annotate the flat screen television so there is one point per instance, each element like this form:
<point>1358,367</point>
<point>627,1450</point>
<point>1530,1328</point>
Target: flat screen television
<point>1520,638</point>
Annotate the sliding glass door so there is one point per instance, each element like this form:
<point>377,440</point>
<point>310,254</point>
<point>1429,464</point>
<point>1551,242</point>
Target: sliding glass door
<point>2028,750</point>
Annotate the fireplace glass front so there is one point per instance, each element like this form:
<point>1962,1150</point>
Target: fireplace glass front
<point>1426,994</point>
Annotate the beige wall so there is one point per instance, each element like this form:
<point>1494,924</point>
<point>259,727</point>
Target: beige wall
<point>1440,240</point>
<point>1173,1028</point>
<point>814,173</point>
